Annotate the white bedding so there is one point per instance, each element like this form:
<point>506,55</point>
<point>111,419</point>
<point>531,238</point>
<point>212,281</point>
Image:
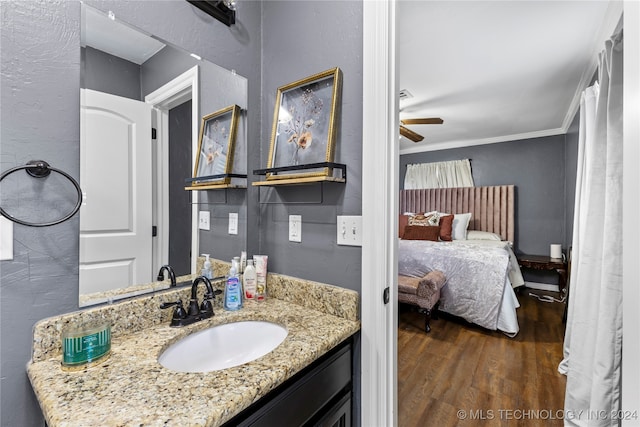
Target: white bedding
<point>479,274</point>
<point>515,274</point>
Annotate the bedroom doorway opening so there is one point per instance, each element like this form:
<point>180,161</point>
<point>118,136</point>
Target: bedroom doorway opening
<point>634,369</point>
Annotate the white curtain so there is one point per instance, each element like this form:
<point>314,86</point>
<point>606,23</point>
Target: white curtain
<point>456,173</point>
<point>593,336</point>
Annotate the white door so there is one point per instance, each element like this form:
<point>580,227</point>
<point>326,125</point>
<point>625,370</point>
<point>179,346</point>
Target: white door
<point>115,174</point>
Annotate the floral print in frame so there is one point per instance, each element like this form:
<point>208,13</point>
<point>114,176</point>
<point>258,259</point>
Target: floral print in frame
<point>304,124</point>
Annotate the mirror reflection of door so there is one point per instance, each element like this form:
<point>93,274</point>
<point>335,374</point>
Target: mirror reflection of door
<point>121,167</point>
<point>115,171</point>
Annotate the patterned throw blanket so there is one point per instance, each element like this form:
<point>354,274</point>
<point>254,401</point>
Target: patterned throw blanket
<point>476,276</point>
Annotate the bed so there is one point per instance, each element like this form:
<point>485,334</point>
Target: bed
<point>477,257</point>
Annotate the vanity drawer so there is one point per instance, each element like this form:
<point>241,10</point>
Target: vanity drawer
<point>320,393</point>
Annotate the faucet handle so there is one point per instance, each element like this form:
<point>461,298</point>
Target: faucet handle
<point>206,307</point>
<point>179,313</point>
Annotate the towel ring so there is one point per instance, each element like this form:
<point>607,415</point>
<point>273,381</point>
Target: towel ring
<point>41,169</point>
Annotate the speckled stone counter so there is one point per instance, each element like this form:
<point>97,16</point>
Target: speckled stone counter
<point>132,388</point>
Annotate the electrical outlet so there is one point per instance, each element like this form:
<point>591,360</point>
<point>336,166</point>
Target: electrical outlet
<point>204,220</point>
<point>233,223</point>
<point>349,229</point>
<point>6,239</point>
<point>295,228</point>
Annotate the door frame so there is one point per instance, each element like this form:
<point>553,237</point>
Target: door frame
<point>183,88</point>
<point>380,160</point>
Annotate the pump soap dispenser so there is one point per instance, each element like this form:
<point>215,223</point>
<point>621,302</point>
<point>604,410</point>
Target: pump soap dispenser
<point>206,271</point>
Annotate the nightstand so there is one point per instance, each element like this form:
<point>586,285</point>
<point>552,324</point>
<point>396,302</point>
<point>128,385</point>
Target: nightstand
<point>542,262</point>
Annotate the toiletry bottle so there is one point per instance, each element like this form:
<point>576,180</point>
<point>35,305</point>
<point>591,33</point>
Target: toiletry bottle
<point>260,262</point>
<point>236,261</point>
<point>249,280</point>
<point>232,291</point>
<point>206,271</point>
<point>243,261</point>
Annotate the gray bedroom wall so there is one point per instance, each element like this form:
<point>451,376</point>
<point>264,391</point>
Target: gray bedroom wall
<point>536,167</point>
<point>40,114</point>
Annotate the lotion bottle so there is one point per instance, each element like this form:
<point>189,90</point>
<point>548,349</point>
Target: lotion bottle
<point>233,289</point>
<point>249,280</point>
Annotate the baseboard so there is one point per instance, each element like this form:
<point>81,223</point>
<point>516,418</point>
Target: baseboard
<point>542,286</point>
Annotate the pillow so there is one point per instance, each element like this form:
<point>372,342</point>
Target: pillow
<point>426,219</point>
<point>459,226</point>
<point>421,232</point>
<point>446,228</point>
<point>403,221</point>
<point>482,235</point>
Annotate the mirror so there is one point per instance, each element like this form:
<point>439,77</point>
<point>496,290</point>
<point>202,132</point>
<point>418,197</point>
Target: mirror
<point>136,215</point>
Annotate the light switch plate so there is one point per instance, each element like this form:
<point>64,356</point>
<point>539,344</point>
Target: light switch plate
<point>295,228</point>
<point>6,239</point>
<point>233,223</point>
<point>349,230</point>
<point>204,220</point>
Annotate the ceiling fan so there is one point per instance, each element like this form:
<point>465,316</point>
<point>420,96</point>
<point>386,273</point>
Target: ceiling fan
<point>413,136</point>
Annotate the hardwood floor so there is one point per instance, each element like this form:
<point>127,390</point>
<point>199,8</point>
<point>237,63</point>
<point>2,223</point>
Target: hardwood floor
<point>464,375</point>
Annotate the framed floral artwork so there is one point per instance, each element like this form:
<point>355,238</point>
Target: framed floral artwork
<point>215,148</point>
<point>304,125</point>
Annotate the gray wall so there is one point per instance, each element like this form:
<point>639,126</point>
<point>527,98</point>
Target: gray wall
<point>107,73</point>
<point>40,111</point>
<point>334,41</point>
<point>301,39</point>
<point>535,166</point>
<point>543,171</point>
<point>180,200</point>
<point>40,66</point>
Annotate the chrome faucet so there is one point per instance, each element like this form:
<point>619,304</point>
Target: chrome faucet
<point>195,312</point>
<point>172,274</point>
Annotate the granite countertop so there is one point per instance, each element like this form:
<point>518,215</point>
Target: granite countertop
<point>132,388</point>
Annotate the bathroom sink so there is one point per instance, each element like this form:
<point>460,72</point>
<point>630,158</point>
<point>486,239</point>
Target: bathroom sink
<point>223,346</point>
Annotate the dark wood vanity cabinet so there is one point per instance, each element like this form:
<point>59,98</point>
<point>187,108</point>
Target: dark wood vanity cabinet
<point>319,395</point>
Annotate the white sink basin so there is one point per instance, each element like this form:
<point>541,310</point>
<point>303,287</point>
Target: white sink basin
<point>223,346</point>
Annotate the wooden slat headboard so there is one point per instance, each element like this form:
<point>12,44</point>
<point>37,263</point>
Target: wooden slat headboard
<point>492,208</point>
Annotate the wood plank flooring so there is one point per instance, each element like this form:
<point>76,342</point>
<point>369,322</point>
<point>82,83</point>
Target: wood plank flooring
<point>464,375</point>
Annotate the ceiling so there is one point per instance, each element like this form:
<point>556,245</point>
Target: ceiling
<point>496,71</point>
<point>106,33</point>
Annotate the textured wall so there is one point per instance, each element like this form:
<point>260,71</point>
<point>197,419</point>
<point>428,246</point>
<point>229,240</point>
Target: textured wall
<point>40,59</point>
<point>40,119</point>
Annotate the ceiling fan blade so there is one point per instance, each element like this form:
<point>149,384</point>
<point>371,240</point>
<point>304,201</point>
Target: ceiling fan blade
<point>408,133</point>
<point>424,121</point>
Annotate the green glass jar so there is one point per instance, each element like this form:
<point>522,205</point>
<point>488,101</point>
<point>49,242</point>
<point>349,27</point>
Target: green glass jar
<point>85,346</point>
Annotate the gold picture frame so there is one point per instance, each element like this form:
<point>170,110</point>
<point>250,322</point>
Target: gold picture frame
<point>304,125</point>
<point>215,147</point>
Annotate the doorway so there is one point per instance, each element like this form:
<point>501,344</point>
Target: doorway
<point>173,94</point>
<point>380,120</point>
